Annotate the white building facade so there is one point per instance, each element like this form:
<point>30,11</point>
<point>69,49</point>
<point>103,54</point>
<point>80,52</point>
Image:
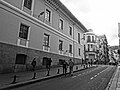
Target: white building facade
<point>40,29</point>
<point>90,46</point>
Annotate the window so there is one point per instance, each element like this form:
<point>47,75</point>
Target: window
<point>60,45</point>
<point>84,48</point>
<point>48,15</point>
<point>46,40</point>
<point>88,47</point>
<point>28,4</point>
<point>70,48</point>
<point>79,51</point>
<point>70,30</point>
<point>91,46</point>
<point>20,59</point>
<point>61,61</point>
<point>93,39</point>
<point>23,33</point>
<point>61,24</point>
<point>78,37</point>
<point>88,39</point>
<point>84,36</point>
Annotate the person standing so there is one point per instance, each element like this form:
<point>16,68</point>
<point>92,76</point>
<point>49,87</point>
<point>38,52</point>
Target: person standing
<point>33,64</point>
<point>71,64</point>
<point>48,65</point>
<point>65,65</point>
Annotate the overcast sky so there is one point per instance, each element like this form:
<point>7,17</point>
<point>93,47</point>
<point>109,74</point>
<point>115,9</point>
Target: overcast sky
<point>102,16</point>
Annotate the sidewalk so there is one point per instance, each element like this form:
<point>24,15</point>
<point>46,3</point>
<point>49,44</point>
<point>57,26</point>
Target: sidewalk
<point>24,78</point>
<point>114,83</point>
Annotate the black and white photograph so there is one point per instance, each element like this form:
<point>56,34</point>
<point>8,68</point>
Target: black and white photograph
<point>59,44</point>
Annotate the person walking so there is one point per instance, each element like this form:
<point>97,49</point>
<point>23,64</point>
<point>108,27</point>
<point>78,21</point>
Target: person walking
<point>65,65</point>
<point>71,64</point>
<point>48,65</point>
<point>33,64</point>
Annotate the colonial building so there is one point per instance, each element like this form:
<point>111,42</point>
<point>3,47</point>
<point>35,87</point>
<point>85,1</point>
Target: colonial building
<point>40,29</point>
<point>90,46</point>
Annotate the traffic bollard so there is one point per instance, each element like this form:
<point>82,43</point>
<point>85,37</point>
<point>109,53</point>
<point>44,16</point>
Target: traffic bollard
<point>76,67</point>
<point>34,75</point>
<point>58,71</point>
<point>14,79</point>
<point>48,73</point>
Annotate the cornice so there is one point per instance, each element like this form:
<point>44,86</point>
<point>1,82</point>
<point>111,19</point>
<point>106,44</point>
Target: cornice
<point>52,4</point>
<point>58,6</point>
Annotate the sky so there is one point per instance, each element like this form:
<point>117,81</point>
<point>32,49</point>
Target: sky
<point>102,16</point>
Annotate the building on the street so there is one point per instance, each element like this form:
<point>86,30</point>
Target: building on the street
<point>90,46</point>
<point>96,48</point>
<point>103,49</point>
<point>113,54</point>
<point>41,29</point>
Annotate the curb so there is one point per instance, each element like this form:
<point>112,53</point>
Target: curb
<point>28,82</point>
<point>16,85</point>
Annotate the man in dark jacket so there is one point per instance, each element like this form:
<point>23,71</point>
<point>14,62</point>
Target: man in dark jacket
<point>65,65</point>
<point>71,64</point>
<point>48,64</point>
<point>33,64</point>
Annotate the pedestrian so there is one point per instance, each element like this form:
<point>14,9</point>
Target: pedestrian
<point>33,64</point>
<point>71,64</point>
<point>48,65</point>
<point>65,65</point>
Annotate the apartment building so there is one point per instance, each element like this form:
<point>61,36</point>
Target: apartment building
<point>102,49</point>
<point>113,54</point>
<point>90,46</point>
<point>40,29</point>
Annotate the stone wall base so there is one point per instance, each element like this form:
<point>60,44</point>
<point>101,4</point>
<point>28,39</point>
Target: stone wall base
<point>8,54</point>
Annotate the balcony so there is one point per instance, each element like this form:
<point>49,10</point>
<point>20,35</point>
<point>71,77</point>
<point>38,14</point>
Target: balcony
<point>61,52</point>
<point>46,48</point>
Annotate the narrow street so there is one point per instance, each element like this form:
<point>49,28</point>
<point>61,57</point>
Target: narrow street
<point>90,79</point>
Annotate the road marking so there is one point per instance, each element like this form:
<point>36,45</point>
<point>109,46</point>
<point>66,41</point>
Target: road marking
<point>98,73</point>
<point>74,76</point>
<point>95,76</point>
<point>91,77</point>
